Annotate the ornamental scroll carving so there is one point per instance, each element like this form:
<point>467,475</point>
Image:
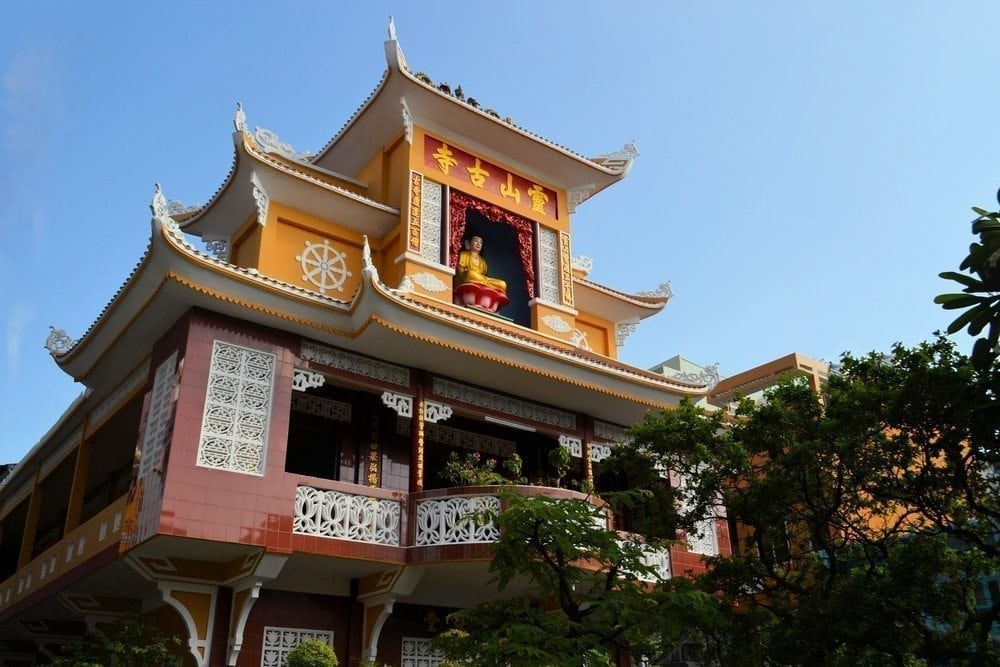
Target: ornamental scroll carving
<point>455,437</point>
<point>573,445</point>
<point>430,220</point>
<point>321,407</point>
<point>505,404</point>
<point>429,282</point>
<point>548,264</point>
<point>611,432</point>
<point>279,642</point>
<point>402,405</point>
<point>303,379</point>
<point>346,516</point>
<point>702,539</point>
<point>435,412</point>
<point>355,363</point>
<point>457,520</point>
<point>237,409</point>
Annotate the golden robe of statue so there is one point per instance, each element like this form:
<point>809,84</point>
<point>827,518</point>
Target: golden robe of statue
<point>472,267</point>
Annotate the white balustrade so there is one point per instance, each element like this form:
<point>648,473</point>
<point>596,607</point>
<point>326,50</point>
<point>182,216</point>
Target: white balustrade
<point>456,520</point>
<point>346,516</point>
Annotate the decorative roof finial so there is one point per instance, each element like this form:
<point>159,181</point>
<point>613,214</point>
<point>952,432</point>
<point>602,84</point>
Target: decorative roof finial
<point>392,29</point>
<point>160,209</point>
<point>240,121</point>
<point>367,266</point>
<point>58,341</point>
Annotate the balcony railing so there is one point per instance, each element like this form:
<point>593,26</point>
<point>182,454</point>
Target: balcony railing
<point>442,517</point>
<point>346,516</point>
<point>457,520</point>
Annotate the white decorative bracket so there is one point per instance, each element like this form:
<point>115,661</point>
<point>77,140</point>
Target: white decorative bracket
<point>407,121</point>
<point>577,196</point>
<point>436,412</point>
<point>371,650</point>
<point>260,200</point>
<point>400,403</point>
<point>624,329</point>
<point>573,445</point>
<point>245,596</point>
<point>583,264</point>
<point>303,379</point>
<point>599,452</point>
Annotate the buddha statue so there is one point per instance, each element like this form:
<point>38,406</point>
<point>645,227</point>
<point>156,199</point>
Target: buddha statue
<point>472,267</point>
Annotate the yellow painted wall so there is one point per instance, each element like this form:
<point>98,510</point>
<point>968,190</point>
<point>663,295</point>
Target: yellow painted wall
<point>296,246</point>
<point>245,250</point>
<point>599,333</point>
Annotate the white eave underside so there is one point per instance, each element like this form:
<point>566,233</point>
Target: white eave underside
<point>280,182</point>
<point>612,305</point>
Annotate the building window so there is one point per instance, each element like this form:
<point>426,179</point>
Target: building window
<point>237,409</point>
<point>418,653</point>
<point>278,642</point>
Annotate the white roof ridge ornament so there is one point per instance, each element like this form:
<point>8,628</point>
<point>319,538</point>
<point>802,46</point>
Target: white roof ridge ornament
<point>269,142</point>
<point>367,266</point>
<point>58,341</point>
<point>394,57</point>
<point>663,291</point>
<point>620,161</point>
<point>709,376</point>
<point>161,210</point>
<point>240,119</point>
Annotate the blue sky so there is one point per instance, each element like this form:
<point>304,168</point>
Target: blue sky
<point>806,169</point>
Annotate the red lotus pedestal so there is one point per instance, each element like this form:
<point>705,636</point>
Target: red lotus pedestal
<point>479,296</point>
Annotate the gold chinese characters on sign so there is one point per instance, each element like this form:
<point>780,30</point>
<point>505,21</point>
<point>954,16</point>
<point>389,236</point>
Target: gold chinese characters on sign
<point>416,191</point>
<point>482,175</point>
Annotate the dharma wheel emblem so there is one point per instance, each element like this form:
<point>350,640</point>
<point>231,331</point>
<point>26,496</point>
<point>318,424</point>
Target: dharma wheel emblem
<point>323,266</point>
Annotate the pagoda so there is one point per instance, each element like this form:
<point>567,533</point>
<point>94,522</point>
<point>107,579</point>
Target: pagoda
<point>272,394</point>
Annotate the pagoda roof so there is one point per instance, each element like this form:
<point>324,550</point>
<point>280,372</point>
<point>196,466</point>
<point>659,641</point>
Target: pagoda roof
<point>262,165</point>
<point>403,99</point>
<point>393,324</point>
<point>766,375</point>
<point>615,305</point>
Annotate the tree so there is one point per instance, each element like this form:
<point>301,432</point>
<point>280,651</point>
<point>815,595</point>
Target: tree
<point>312,653</point>
<point>134,641</point>
<point>866,516</point>
<point>980,296</point>
<point>585,595</point>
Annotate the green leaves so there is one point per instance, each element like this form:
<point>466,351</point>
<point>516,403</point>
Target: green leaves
<point>979,298</point>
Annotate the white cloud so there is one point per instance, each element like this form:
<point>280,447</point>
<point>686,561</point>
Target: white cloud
<point>18,316</point>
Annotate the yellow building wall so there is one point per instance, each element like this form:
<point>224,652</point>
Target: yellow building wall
<point>314,254</point>
<point>600,334</point>
<point>245,250</point>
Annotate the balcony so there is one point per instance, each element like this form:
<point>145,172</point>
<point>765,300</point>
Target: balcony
<point>442,524</point>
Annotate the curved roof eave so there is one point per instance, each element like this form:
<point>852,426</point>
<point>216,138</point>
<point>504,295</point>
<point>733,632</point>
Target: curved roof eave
<point>170,261</point>
<point>614,305</point>
<point>174,277</point>
<point>240,183</point>
<point>507,355</point>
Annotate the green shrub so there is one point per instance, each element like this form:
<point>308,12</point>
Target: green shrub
<point>312,653</point>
